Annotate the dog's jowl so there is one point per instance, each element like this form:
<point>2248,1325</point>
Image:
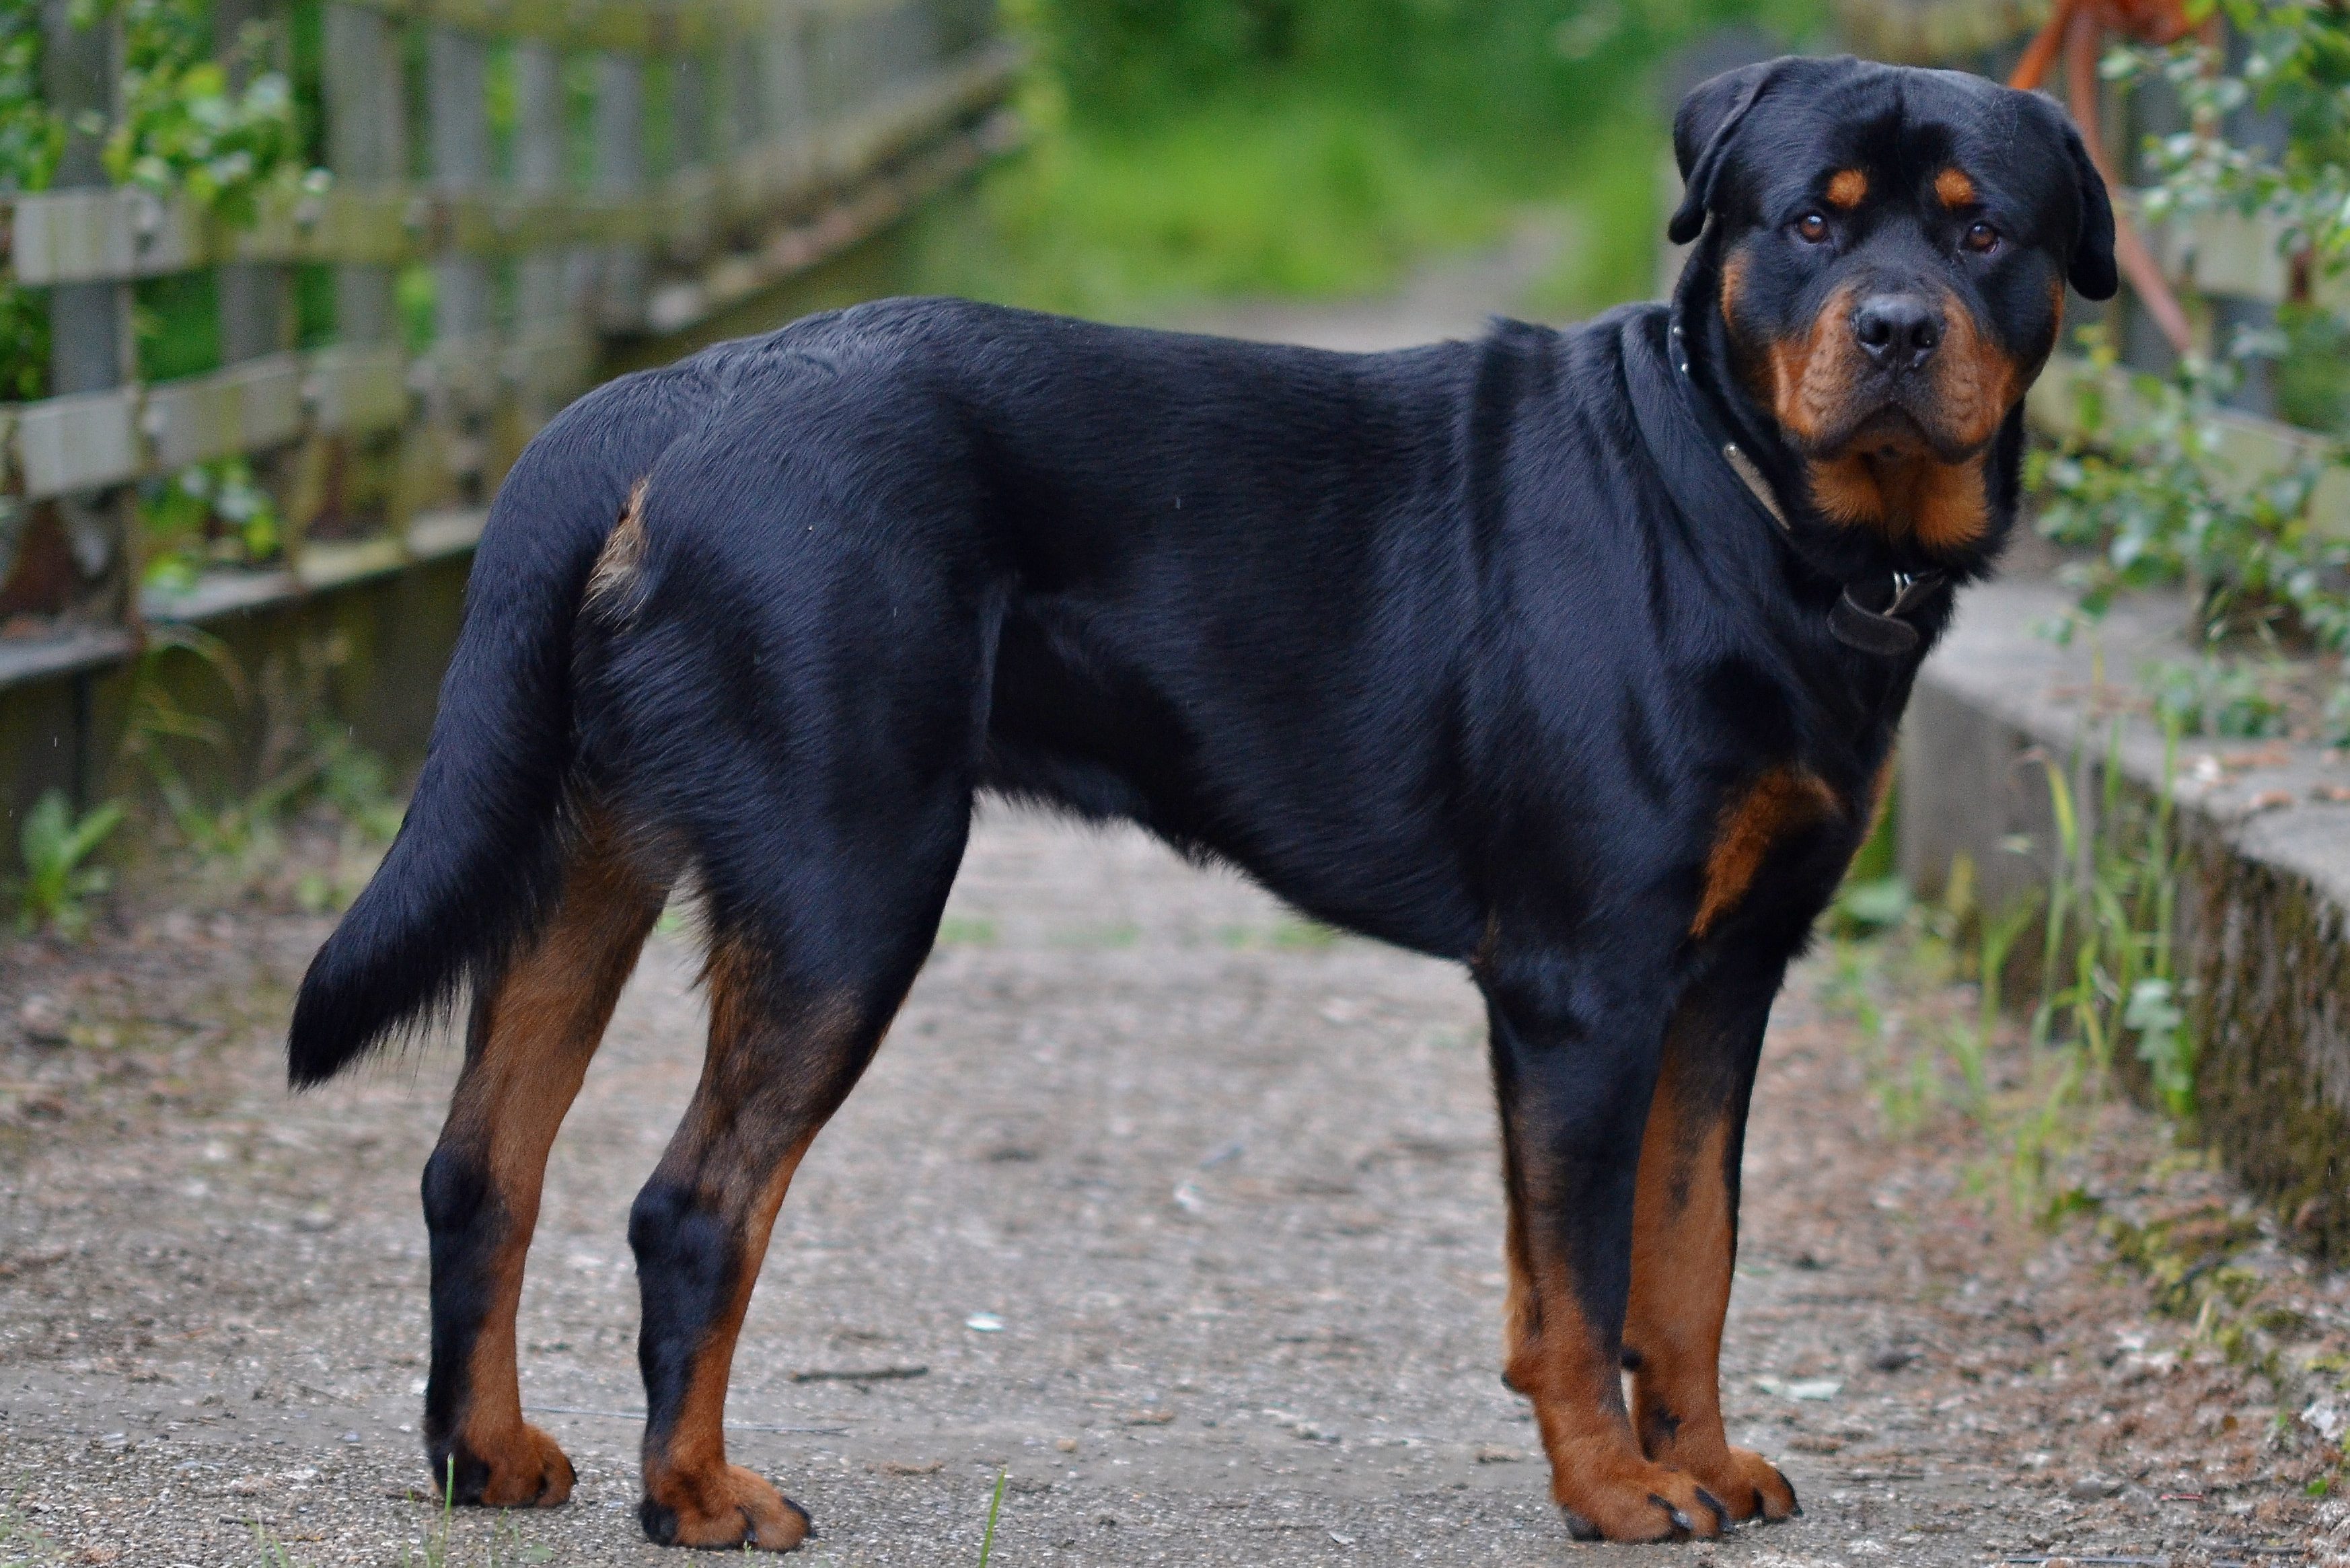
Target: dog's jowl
<point>1572,655</point>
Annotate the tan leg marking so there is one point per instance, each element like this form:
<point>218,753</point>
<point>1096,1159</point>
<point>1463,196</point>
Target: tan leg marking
<point>1684,1241</point>
<point>533,1038</point>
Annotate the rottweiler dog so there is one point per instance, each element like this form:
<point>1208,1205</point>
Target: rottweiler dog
<point>1572,655</point>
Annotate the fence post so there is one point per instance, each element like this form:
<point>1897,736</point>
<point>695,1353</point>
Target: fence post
<point>541,290</point>
<point>90,350</point>
<point>619,177</point>
<point>90,346</point>
<point>366,144</point>
<point>456,66</point>
<point>257,300</point>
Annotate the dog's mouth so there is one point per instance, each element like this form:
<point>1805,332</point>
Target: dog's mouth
<point>1902,424</point>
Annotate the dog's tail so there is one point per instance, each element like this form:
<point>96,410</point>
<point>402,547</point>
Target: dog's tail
<point>479,854</point>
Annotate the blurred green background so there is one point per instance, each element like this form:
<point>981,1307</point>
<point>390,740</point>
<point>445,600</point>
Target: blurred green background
<point>1189,151</point>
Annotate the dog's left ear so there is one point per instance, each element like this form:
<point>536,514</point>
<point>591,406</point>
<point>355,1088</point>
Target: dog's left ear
<point>1703,128</point>
<point>2091,269</point>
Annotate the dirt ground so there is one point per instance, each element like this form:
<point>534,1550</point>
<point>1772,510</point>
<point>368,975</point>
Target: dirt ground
<point>1182,1213</point>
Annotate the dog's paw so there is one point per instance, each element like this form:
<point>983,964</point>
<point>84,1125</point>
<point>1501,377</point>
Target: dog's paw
<point>1751,1486</point>
<point>1638,1501</point>
<point>524,1467</point>
<point>726,1507</point>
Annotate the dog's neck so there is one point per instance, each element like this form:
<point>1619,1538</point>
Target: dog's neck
<point>1843,551</point>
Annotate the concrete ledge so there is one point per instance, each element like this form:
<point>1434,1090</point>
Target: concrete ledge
<point>2264,917</point>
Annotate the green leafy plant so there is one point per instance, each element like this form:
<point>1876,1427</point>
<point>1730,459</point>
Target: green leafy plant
<point>2145,483</point>
<point>2231,698</point>
<point>184,126</point>
<point>987,1541</point>
<point>210,514</point>
<point>58,880</point>
<point>2102,978</point>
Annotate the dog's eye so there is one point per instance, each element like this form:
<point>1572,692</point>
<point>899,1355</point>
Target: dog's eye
<point>1812,228</point>
<point>1981,238</point>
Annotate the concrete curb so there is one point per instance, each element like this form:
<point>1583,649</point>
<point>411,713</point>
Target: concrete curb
<point>2264,911</point>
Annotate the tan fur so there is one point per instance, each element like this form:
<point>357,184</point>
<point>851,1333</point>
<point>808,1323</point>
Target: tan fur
<point>1847,189</point>
<point>756,1113</point>
<point>622,556</point>
<point>536,1034</point>
<point>1597,1471</point>
<point>1953,189</point>
<point>1784,800</point>
<point>1683,1244</point>
<point>1811,378</point>
<point>1943,505</point>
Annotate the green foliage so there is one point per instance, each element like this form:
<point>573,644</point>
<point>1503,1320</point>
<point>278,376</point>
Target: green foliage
<point>2230,699</point>
<point>59,881</point>
<point>184,127</point>
<point>1288,194</point>
<point>1507,67</point>
<point>2295,62</point>
<point>30,136</point>
<point>212,513</point>
<point>2143,483</point>
<point>1195,149</point>
<point>213,119</point>
<point>994,1504</point>
<point>2146,484</point>
<point>2105,977</point>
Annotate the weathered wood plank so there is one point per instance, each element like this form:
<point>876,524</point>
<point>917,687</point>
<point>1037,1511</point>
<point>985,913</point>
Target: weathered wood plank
<point>108,235</point>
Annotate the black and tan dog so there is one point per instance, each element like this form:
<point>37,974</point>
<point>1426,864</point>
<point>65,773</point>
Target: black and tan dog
<point>1572,655</point>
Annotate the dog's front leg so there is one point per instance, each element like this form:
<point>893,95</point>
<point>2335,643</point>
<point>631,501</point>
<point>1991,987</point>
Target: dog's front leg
<point>1575,1064</point>
<point>1685,1235</point>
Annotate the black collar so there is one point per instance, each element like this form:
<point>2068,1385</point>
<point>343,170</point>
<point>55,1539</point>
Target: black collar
<point>1676,423</point>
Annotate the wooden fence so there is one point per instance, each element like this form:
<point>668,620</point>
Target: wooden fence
<point>796,129</point>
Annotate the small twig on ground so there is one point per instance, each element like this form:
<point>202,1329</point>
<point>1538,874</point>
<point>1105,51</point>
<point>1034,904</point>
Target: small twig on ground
<point>857,1375</point>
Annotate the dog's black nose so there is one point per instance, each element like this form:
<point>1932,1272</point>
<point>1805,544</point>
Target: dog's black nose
<point>1899,331</point>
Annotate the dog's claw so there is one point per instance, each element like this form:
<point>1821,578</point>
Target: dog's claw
<point>1721,1520</point>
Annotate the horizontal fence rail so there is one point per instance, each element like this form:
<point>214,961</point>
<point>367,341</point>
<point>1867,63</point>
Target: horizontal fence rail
<point>786,131</point>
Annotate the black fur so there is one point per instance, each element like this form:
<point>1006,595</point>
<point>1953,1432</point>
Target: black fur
<point>466,1224</point>
<point>1430,643</point>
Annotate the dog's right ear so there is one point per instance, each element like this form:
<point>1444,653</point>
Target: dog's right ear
<point>1703,128</point>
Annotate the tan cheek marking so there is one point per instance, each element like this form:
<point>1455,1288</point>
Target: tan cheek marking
<point>1974,381</point>
<point>1780,802</point>
<point>1954,189</point>
<point>1848,189</point>
<point>1811,377</point>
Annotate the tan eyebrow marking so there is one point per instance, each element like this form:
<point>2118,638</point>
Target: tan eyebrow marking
<point>1848,188</point>
<point>1954,188</point>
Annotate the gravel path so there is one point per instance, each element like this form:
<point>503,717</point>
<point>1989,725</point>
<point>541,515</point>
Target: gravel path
<point>1227,1184</point>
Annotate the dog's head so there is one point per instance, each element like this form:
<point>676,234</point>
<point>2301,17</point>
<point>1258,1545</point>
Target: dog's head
<point>1889,254</point>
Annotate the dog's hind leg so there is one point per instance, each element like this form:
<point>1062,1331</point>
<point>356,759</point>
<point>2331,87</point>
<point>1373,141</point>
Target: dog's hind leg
<point>817,937</point>
<point>532,1036</point>
<point>784,1053</point>
<point>1685,1237</point>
